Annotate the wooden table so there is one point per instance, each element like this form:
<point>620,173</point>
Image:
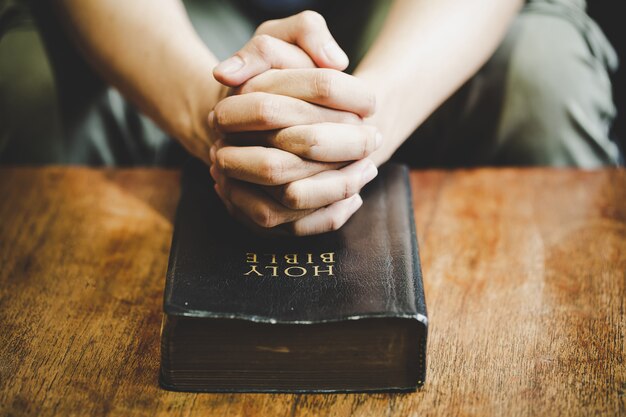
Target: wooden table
<point>525,279</point>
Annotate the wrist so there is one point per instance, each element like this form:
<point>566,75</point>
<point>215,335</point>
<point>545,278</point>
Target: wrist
<point>200,99</point>
<point>185,102</point>
<point>385,119</point>
<point>199,92</point>
<point>195,133</point>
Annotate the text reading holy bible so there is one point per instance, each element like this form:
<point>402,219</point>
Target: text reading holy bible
<point>292,265</point>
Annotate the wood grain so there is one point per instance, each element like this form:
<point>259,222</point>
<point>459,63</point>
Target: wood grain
<point>525,276</point>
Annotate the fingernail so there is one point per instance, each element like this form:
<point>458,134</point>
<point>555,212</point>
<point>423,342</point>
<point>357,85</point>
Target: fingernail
<point>212,120</point>
<point>212,154</point>
<point>368,173</point>
<point>378,140</point>
<point>231,65</point>
<point>335,54</point>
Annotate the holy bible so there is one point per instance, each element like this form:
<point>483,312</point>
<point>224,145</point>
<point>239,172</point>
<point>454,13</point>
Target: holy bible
<point>339,312</point>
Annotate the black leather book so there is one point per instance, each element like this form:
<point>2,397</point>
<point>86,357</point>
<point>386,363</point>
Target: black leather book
<point>338,312</point>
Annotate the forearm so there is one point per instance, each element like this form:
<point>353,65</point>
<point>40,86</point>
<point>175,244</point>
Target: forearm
<point>426,50</point>
<point>151,53</point>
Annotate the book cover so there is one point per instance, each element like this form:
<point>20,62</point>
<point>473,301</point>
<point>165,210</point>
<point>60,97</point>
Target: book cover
<point>338,312</point>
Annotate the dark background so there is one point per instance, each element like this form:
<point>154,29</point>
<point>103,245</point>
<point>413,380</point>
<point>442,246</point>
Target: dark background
<point>606,13</point>
<point>611,20</point>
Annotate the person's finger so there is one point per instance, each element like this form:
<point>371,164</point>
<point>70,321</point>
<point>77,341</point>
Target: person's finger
<point>241,217</point>
<point>262,111</point>
<point>322,220</point>
<point>265,166</point>
<point>326,219</point>
<point>327,87</point>
<point>325,188</point>
<point>309,31</point>
<point>324,142</point>
<point>253,203</point>
<point>260,54</point>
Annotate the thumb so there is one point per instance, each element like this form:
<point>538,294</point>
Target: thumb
<point>261,53</point>
<point>299,41</point>
<point>309,31</point>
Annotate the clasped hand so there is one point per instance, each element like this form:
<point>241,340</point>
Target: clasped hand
<point>291,144</point>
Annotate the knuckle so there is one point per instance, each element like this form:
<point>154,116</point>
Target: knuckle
<point>278,139</point>
<point>311,20</point>
<point>265,26</point>
<point>220,116</point>
<point>311,139</point>
<point>263,45</point>
<point>272,171</point>
<point>365,148</point>
<point>247,87</point>
<point>292,197</point>
<point>348,188</point>
<point>221,160</point>
<point>334,222</point>
<point>323,84</point>
<point>267,110</point>
<point>369,143</point>
<point>256,83</point>
<point>264,216</point>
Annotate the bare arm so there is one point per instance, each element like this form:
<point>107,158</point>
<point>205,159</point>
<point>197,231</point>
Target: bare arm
<point>151,53</point>
<point>426,50</point>
<point>149,50</point>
